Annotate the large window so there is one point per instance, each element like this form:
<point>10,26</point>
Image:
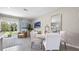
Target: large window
<point>8,27</point>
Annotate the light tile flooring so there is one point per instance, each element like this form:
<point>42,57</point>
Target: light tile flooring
<point>24,44</point>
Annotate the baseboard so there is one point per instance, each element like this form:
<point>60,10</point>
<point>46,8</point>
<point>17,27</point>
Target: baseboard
<point>71,45</point>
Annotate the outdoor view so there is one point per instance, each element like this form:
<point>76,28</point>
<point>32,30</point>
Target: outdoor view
<point>8,29</point>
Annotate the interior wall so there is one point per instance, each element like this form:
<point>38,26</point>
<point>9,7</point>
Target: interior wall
<point>70,19</point>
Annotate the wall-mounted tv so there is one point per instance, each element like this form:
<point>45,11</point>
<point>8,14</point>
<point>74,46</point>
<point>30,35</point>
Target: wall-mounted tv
<point>37,25</point>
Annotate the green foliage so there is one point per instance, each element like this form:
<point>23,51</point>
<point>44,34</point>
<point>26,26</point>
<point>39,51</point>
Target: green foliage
<point>13,27</point>
<point>8,27</point>
<point>29,27</point>
<point>4,26</point>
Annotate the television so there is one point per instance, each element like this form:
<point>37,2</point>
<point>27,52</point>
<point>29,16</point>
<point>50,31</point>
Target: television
<point>37,25</point>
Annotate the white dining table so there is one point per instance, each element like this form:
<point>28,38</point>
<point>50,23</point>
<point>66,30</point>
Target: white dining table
<point>41,36</point>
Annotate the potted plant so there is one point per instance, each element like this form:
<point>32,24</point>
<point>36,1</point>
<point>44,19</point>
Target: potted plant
<point>29,29</point>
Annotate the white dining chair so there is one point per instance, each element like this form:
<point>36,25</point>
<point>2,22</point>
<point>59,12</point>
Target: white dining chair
<point>34,39</point>
<point>52,41</point>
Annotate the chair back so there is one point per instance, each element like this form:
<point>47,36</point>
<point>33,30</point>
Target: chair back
<point>52,41</point>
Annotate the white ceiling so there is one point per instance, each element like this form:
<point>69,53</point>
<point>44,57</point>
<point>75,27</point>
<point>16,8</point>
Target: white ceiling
<point>32,12</point>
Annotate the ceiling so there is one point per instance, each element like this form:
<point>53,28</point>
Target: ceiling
<point>26,12</point>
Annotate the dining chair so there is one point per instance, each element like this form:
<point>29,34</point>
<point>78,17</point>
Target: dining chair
<point>34,39</point>
<point>52,41</point>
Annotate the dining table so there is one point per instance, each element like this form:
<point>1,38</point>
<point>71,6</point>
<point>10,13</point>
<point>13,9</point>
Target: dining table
<point>42,37</point>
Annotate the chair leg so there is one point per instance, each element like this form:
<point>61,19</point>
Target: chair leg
<point>60,46</point>
<point>31,44</point>
<point>65,46</point>
<point>43,48</point>
<point>41,45</point>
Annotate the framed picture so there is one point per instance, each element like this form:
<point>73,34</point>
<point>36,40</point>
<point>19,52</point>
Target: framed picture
<point>37,25</point>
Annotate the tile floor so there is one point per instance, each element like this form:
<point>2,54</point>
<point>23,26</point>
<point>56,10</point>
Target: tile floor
<point>20,44</point>
<point>24,44</point>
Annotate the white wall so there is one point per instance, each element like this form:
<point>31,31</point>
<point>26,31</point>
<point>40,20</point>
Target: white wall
<point>70,19</point>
